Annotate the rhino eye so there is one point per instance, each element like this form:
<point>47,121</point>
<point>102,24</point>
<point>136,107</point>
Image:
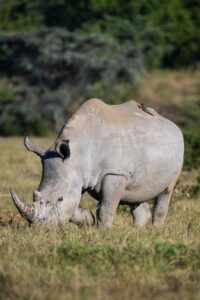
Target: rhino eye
<point>60,199</point>
<point>63,149</point>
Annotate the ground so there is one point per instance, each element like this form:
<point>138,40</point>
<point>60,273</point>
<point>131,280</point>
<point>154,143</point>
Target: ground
<point>69,262</point>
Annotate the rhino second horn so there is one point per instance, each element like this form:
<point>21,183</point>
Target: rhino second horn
<point>37,196</point>
<point>25,210</point>
<point>33,148</point>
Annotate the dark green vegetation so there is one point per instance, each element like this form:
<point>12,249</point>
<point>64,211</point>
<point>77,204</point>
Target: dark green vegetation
<point>170,27</point>
<point>48,78</point>
<point>83,263</point>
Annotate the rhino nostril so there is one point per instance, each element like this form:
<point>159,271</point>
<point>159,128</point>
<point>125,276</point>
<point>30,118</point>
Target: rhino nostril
<point>60,199</point>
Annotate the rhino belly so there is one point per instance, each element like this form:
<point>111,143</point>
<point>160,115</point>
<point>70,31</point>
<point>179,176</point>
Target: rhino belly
<point>155,173</point>
<point>142,193</point>
<point>149,189</point>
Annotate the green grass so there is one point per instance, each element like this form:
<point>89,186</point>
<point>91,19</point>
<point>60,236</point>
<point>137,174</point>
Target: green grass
<point>85,263</point>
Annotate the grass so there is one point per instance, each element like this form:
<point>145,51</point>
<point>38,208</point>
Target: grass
<point>84,263</point>
<point>169,92</point>
<point>163,89</point>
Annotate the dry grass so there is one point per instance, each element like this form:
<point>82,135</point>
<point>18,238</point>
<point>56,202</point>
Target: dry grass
<point>170,93</point>
<point>162,89</point>
<point>123,262</point>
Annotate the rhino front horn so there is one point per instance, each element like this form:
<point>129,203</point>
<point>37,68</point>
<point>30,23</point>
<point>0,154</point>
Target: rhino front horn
<point>27,211</point>
<point>33,148</point>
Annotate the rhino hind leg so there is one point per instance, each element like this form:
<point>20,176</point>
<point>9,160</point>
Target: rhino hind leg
<point>112,191</point>
<point>161,205</point>
<point>141,214</point>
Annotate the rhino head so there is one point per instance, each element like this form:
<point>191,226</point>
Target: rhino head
<point>59,191</point>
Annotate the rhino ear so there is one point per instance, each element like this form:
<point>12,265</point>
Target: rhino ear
<point>63,149</point>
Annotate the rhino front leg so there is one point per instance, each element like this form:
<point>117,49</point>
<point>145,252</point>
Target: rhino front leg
<point>141,214</point>
<point>83,217</point>
<point>113,187</point>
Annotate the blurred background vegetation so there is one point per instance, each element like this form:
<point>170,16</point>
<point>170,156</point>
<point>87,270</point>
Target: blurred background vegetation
<point>55,54</point>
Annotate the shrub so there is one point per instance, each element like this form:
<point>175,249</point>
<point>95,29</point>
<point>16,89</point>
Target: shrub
<point>192,147</point>
<point>19,124</point>
<point>49,77</point>
<point>168,29</point>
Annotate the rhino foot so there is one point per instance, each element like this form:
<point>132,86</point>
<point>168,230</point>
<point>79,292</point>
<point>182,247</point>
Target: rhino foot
<point>141,214</point>
<point>83,217</point>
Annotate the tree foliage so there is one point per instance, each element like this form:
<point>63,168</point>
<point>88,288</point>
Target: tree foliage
<point>173,25</point>
<point>47,78</point>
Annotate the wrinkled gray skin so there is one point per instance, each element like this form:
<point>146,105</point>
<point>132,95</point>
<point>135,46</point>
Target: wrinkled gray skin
<point>123,154</point>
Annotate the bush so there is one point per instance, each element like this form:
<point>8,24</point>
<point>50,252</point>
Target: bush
<point>170,28</point>
<point>49,77</point>
<point>7,91</point>
<point>20,15</point>
<point>20,124</point>
<point>143,35</point>
<point>192,147</point>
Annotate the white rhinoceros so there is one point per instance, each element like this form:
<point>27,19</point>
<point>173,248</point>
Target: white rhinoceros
<point>120,154</point>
